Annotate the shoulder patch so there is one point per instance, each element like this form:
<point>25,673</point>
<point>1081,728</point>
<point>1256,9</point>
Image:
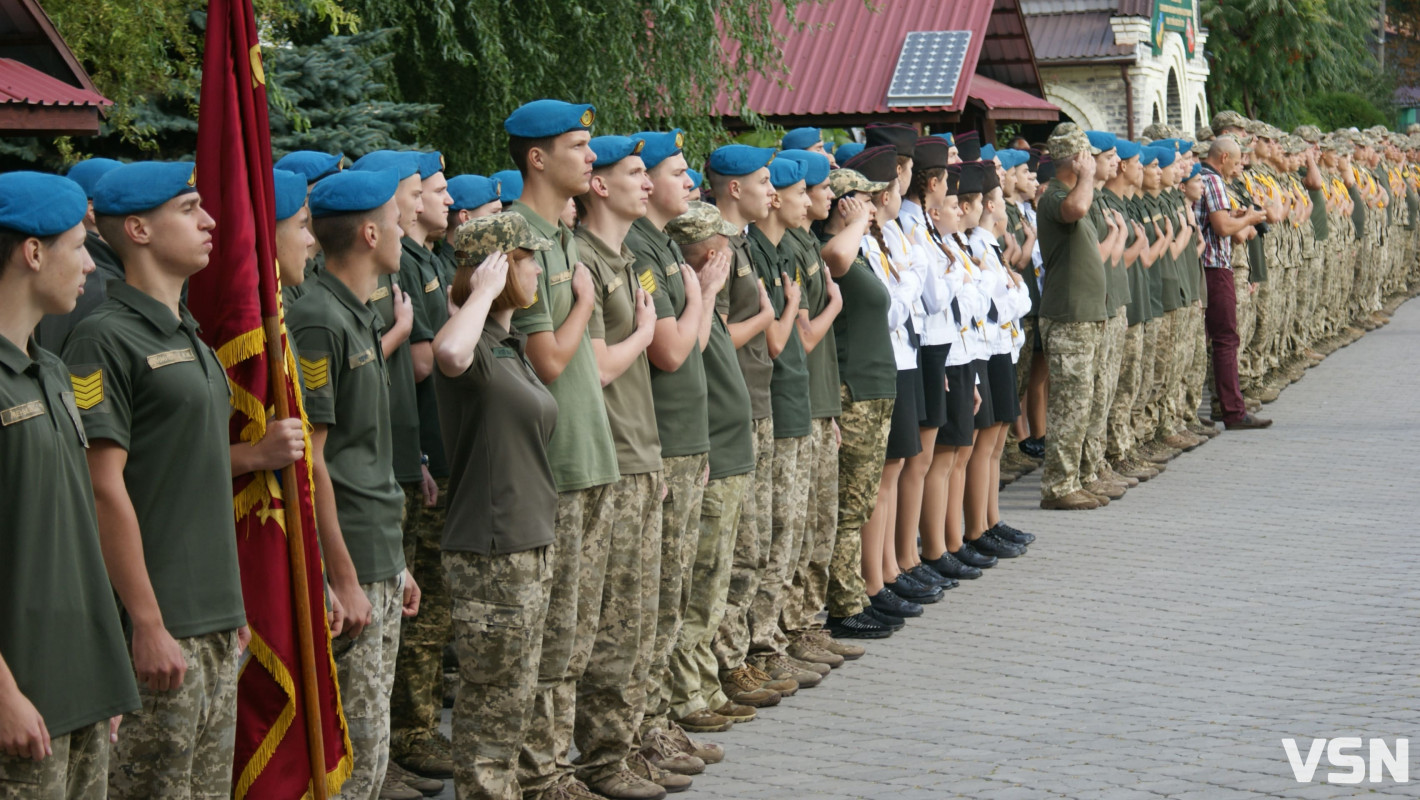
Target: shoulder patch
<point>21,412</point>
<point>315,372</point>
<point>648,282</point>
<point>88,389</point>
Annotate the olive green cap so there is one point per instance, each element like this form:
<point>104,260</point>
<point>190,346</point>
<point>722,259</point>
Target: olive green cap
<point>698,223</point>
<point>479,238</point>
<point>847,181</point>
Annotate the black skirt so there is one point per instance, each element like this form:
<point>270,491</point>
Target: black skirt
<point>1005,402</point>
<point>904,439</point>
<point>932,365</point>
<point>959,428</point>
<point>986,417</point>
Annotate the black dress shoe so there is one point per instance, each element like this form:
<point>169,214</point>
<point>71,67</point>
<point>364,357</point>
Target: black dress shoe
<point>907,588</point>
<point>1035,448</point>
<point>949,566</point>
<point>1013,535</point>
<point>889,603</point>
<point>993,545</point>
<point>859,626</point>
<point>972,556</point>
<point>929,577</point>
<point>893,623</point>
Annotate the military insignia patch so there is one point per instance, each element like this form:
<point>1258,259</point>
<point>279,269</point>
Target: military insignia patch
<point>192,179</point>
<point>362,358</point>
<point>171,357</point>
<point>431,286</point>
<point>648,282</point>
<point>639,146</point>
<point>88,389</point>
<point>315,372</point>
<point>380,293</point>
<point>742,270</point>
<point>679,140</point>
<point>587,117</point>
<point>672,269</point>
<point>561,277</point>
<point>21,412</point>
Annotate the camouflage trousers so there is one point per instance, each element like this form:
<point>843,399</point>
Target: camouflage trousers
<point>695,672</point>
<point>499,604</point>
<point>180,743</point>
<point>618,596</point>
<point>864,425</point>
<point>77,768</point>
<point>1121,411</point>
<point>365,667</point>
<point>1168,371</point>
<point>731,643</point>
<point>808,589</point>
<point>680,538</point>
<point>792,457</point>
<point>1028,333</point>
<point>1185,350</point>
<point>1071,351</point>
<point>1247,315</point>
<point>1106,380</point>
<point>583,518</point>
<point>1196,373</point>
<point>418,697</point>
<point>1143,426</point>
<point>1253,359</point>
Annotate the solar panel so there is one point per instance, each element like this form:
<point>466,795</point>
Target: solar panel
<point>928,69</point>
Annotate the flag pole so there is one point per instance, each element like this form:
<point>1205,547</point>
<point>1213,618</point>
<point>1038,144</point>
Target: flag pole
<point>296,547</point>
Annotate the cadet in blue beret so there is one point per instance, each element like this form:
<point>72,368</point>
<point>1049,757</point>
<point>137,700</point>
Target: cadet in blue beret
<point>346,355</point>
<point>311,164</point>
<point>802,139</point>
<point>54,328</point>
<point>1101,141</point>
<point>510,186</point>
<point>294,242</point>
<point>816,166</point>
<point>86,173</point>
<point>846,151</point>
<point>473,196</point>
<point>60,637</point>
<point>1127,149</point>
<point>152,394</point>
<point>988,152</point>
<point>696,179</point>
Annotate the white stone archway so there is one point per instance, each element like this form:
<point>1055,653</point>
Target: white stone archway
<point>1076,106</point>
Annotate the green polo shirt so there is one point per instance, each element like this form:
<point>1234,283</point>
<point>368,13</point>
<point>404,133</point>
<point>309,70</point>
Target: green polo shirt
<point>1138,308</point>
<point>1117,274</point>
<point>1074,288</point>
<point>444,253</point>
<point>1256,255</point>
<point>1320,226</point>
<point>581,451</point>
<point>346,385</point>
<point>1163,265</point>
<point>1173,296</point>
<point>144,380</point>
<point>431,298</point>
<point>403,401</point>
<point>498,418</point>
<point>59,629</point>
<point>824,398</point>
<point>730,416</point>
<point>681,412</point>
<point>737,302</point>
<point>861,335</point>
<point>789,389</point>
<point>629,406</point>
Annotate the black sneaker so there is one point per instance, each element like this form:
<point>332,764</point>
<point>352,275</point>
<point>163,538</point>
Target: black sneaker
<point>949,566</point>
<point>859,626</point>
<point>930,578</point>
<point>1013,535</point>
<point>892,623</point>
<point>1035,448</point>
<point>908,588</point>
<point>993,545</point>
<point>972,556</point>
<point>889,603</point>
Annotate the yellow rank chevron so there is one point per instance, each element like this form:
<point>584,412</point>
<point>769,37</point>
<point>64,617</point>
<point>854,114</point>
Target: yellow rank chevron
<point>315,373</point>
<point>88,390</point>
<point>648,282</point>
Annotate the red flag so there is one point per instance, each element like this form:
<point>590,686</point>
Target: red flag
<point>283,686</point>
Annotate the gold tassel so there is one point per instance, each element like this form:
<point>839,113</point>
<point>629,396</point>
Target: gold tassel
<point>267,658</point>
<point>239,349</point>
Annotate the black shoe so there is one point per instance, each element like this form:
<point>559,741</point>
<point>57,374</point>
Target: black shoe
<point>949,566</point>
<point>972,556</point>
<point>993,545</point>
<point>930,578</point>
<point>889,603</point>
<point>889,621</point>
<point>1013,535</point>
<point>1035,448</point>
<point>859,626</point>
<point>908,588</point>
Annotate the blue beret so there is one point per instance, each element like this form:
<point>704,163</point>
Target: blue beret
<point>828,147</point>
<point>1184,145</point>
<point>740,159</point>
<point>430,163</point>
<point>1127,149</point>
<point>40,204</point>
<point>472,191</point>
<point>1102,140</point>
<point>352,191</point>
<point>290,193</point>
<point>543,118</point>
<point>1195,172</point>
<point>695,178</point>
<point>510,184</point>
<point>143,186</point>
<point>86,173</point>
<point>847,151</point>
<point>660,145</point>
<point>1148,154</point>
<point>988,152</point>
<point>948,137</point>
<point>1011,158</point>
<point>785,172</point>
<point>311,164</point>
<point>815,165</point>
<point>611,150</point>
<point>801,139</point>
<point>1166,156</point>
<point>402,163</point>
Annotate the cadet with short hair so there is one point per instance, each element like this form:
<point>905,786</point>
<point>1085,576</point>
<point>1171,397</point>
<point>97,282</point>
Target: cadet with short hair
<point>53,329</point>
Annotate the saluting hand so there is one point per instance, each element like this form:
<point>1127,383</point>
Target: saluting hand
<point>157,659</point>
<point>645,309</point>
<point>1084,165</point>
<point>22,730</point>
<point>852,210</point>
<point>490,277</point>
<point>692,293</point>
<point>715,272</point>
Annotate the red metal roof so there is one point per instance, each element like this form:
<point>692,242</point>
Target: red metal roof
<point>1083,36</point>
<point>26,85</point>
<point>1008,102</point>
<point>843,59</point>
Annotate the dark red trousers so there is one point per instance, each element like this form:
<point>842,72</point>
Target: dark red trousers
<point>1221,319</point>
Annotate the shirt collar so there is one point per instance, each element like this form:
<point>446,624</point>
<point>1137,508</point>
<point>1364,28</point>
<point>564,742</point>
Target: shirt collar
<point>150,308</point>
<point>511,337</point>
<point>347,298</point>
<point>13,357</point>
<point>911,211</point>
<point>604,251</point>
<point>555,231</point>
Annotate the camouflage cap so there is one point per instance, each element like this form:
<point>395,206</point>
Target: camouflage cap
<point>479,238</point>
<point>1413,128</point>
<point>1308,133</point>
<point>1160,130</point>
<point>1067,141</point>
<point>1291,145</point>
<point>699,223</point>
<point>845,181</point>
<point>1228,119</point>
<point>1200,148</point>
<point>1336,144</point>
<point>1203,134</point>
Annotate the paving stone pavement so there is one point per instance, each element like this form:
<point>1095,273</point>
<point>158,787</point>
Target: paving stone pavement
<point>1262,588</point>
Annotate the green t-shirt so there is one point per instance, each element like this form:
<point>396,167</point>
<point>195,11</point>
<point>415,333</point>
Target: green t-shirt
<point>403,401</point>
<point>681,413</point>
<point>862,339</point>
<point>1137,309</point>
<point>432,300</point>
<point>145,381</point>
<point>59,629</point>
<point>824,397</point>
<point>581,451</point>
<point>345,385</point>
<point>629,406</point>
<point>1174,295</point>
<point>789,389</point>
<point>1117,273</point>
<point>737,302</point>
<point>1074,288</point>
<point>730,417</point>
